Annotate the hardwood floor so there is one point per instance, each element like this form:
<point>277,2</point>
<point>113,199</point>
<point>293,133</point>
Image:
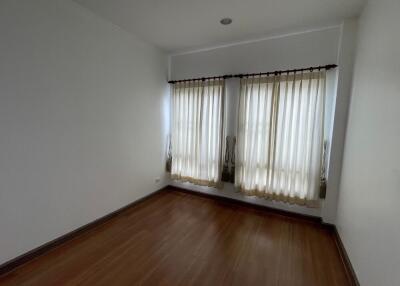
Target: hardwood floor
<point>177,238</point>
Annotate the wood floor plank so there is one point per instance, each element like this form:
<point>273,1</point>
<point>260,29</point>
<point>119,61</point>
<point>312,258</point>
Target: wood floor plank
<point>176,238</point>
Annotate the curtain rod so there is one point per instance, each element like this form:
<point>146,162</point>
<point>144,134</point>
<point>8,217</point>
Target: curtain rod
<point>326,67</point>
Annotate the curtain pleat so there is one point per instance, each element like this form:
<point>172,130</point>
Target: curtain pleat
<point>197,131</point>
<point>280,136</point>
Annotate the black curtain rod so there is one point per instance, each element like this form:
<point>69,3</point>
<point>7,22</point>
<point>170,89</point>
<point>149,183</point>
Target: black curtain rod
<point>326,67</point>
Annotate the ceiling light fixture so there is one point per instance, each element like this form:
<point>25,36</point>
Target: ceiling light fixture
<point>226,21</point>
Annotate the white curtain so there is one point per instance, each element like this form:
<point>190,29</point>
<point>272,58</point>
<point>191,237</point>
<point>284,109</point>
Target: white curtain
<point>280,136</point>
<point>197,131</point>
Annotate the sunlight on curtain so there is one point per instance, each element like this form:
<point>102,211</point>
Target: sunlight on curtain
<point>197,131</point>
<point>280,136</point>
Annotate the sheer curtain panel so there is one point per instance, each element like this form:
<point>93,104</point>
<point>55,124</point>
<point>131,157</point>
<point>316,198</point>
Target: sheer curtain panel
<point>280,136</point>
<point>197,131</point>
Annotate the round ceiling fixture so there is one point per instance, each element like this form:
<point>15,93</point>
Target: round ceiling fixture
<point>226,21</point>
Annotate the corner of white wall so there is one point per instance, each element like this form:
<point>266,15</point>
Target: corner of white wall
<point>345,62</point>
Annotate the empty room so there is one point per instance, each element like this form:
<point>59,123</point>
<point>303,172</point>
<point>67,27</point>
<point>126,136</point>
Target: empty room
<point>215,142</point>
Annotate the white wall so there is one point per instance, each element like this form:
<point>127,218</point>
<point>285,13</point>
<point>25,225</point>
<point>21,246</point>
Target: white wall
<point>82,129</point>
<point>312,48</point>
<point>299,50</point>
<point>368,209</point>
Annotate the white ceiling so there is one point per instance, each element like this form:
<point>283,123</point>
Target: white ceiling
<point>177,25</point>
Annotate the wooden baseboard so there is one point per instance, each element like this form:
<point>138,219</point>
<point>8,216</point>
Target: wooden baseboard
<point>351,274</point>
<point>251,205</point>
<point>18,261</point>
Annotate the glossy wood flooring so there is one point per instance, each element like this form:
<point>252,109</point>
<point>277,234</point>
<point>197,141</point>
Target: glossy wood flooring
<point>176,238</point>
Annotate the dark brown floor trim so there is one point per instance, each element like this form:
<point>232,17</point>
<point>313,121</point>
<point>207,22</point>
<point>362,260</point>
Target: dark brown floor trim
<point>305,217</point>
<point>351,274</point>
<point>18,261</point>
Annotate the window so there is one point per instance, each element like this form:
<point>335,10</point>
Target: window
<point>197,131</point>
<point>280,136</point>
